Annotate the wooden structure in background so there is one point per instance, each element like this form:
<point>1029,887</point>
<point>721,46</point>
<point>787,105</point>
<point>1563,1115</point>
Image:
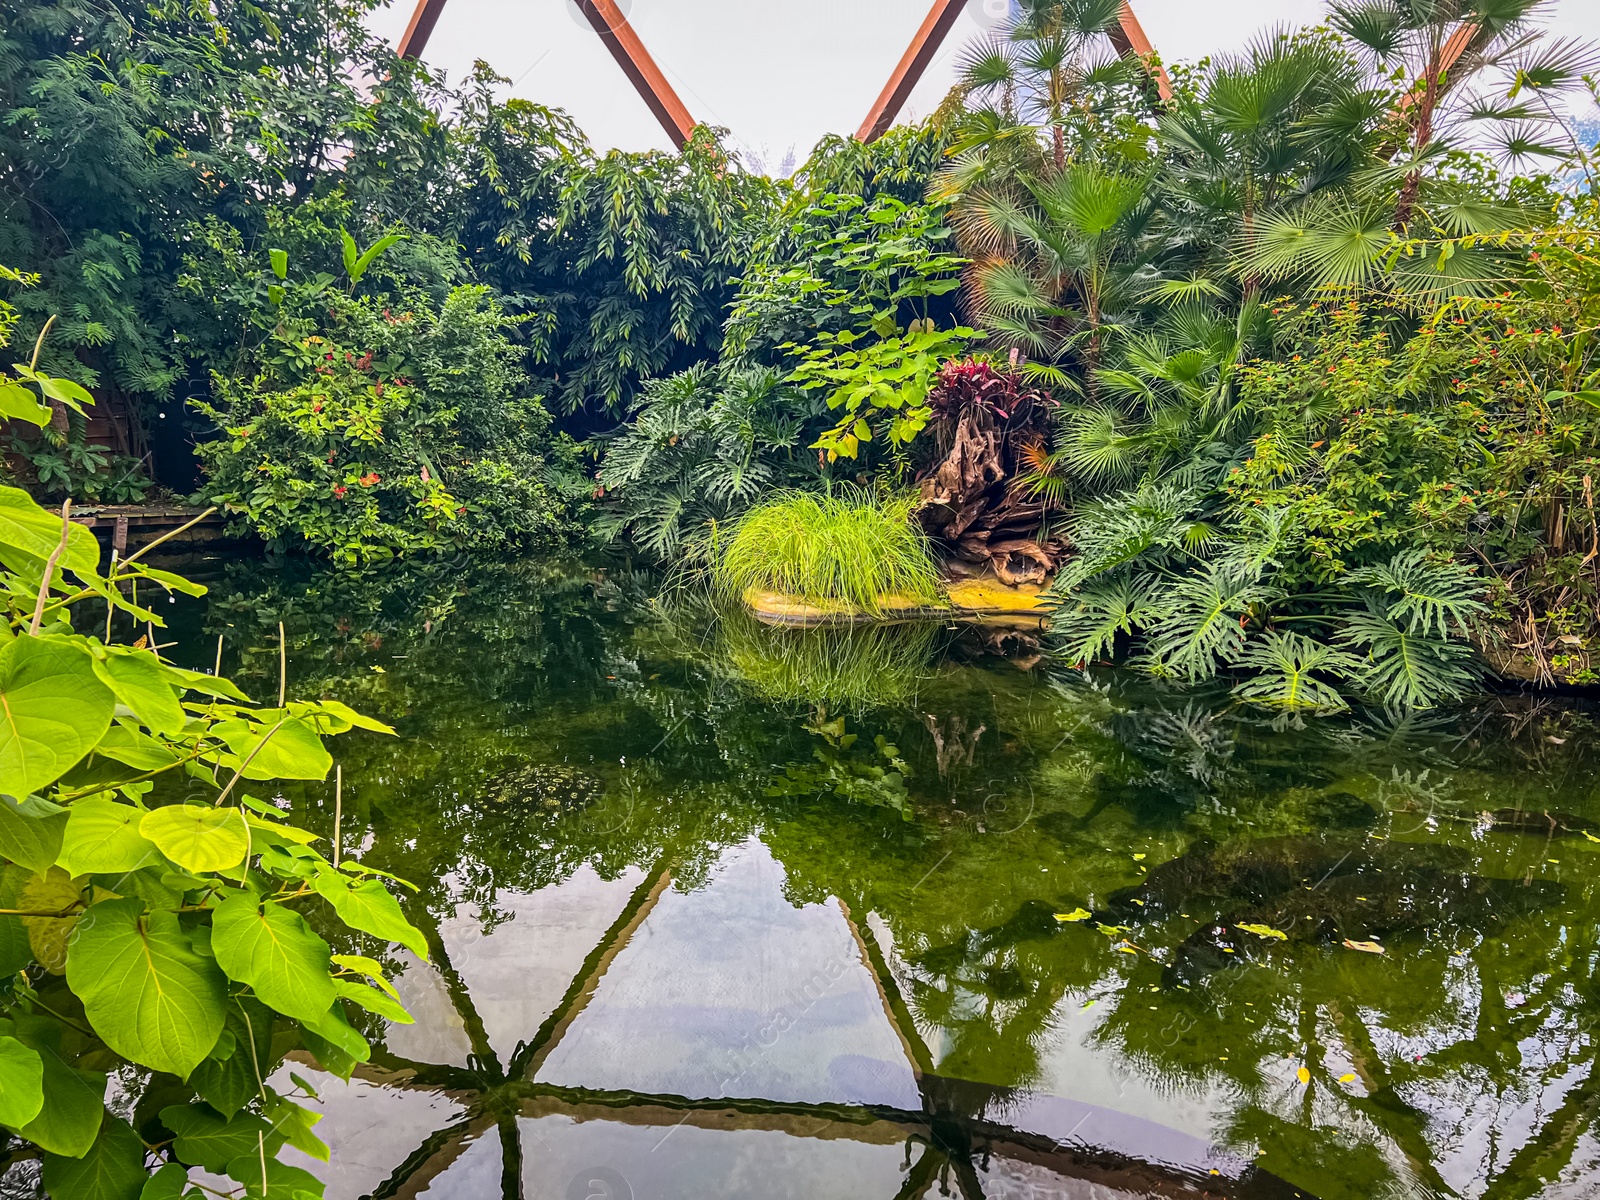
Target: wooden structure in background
<point>619,38</point>
<point>908,71</point>
<point>1128,38</point>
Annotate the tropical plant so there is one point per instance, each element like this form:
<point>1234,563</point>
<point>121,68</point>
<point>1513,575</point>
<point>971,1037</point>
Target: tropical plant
<point>369,433</point>
<point>853,549</point>
<point>154,931</point>
<point>702,446</point>
<point>880,390</point>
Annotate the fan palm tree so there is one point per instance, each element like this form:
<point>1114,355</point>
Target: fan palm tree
<point>1435,47</point>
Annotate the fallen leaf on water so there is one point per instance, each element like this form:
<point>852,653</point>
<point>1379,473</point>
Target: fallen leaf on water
<point>1077,914</point>
<point>1088,1004</point>
<point>1348,1078</point>
<point>1366,947</point>
<point>1303,1075</point>
<point>1586,834</point>
<point>1138,857</point>
<point>1264,931</point>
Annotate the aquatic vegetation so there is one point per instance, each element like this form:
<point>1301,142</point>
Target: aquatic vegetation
<point>840,666</point>
<point>847,547</point>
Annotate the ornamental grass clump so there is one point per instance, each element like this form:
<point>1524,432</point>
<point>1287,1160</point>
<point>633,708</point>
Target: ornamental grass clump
<point>850,548</point>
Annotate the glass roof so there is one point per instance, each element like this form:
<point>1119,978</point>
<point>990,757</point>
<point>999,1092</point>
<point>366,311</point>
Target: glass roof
<point>780,75</point>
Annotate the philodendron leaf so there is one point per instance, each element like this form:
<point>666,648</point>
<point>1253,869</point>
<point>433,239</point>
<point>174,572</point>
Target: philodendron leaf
<point>28,839</point>
<point>113,1169</point>
<point>369,907</point>
<point>103,837</point>
<point>21,1083</point>
<point>144,989</point>
<point>52,711</point>
<point>198,837</point>
<point>272,949</point>
<point>138,679</point>
<point>17,403</point>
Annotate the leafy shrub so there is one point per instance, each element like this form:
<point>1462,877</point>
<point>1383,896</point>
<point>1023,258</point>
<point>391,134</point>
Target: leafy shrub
<point>852,548</point>
<point>166,945</point>
<point>395,432</point>
<point>702,447</point>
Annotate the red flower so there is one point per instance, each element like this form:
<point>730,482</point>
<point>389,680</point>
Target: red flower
<point>339,490</point>
<point>370,478</point>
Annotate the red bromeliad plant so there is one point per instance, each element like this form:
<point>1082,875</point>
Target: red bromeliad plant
<point>981,495</point>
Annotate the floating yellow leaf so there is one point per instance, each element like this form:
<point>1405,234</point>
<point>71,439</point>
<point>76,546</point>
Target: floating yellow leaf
<point>1590,836</point>
<point>1364,947</point>
<point>1348,1077</point>
<point>1088,1004</point>
<point>1303,1075</point>
<point>1077,914</point>
<point>1263,931</point>
<point>1138,857</point>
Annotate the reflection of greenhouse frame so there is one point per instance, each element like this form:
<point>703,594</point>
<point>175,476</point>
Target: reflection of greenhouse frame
<point>953,1138</point>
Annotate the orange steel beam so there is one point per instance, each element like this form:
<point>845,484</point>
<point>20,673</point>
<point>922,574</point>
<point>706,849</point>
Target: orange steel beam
<point>423,18</point>
<point>619,38</point>
<point>640,68</point>
<point>1129,39</point>
<point>924,45</point>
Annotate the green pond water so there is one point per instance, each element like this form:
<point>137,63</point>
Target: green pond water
<point>721,911</point>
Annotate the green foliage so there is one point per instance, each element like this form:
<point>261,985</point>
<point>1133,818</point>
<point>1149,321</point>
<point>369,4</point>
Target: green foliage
<point>389,433</point>
<point>852,548</point>
<point>168,937</point>
<point>880,390</point>
<point>702,446</point>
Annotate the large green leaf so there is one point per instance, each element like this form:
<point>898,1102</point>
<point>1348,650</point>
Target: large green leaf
<point>283,747</point>
<point>134,748</point>
<point>103,838</point>
<point>271,948</point>
<point>138,680</point>
<point>21,1083</point>
<point>169,1183</point>
<point>37,532</point>
<point>17,403</point>
<point>31,840</point>
<point>74,1100</point>
<point>369,907</point>
<point>15,952</point>
<point>198,837</point>
<point>283,1182</point>
<point>54,891</point>
<point>207,1139</point>
<point>229,1081</point>
<point>144,989</point>
<point>52,711</point>
<point>113,1169</point>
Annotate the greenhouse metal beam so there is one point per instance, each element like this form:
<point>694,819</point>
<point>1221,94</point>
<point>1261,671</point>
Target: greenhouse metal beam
<point>640,68</point>
<point>620,39</point>
<point>420,28</point>
<point>925,44</point>
<point>1128,38</point>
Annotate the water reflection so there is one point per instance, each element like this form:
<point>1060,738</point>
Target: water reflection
<point>800,942</point>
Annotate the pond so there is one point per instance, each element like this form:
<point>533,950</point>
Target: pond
<point>721,911</point>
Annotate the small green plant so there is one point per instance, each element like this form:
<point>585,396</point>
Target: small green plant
<point>853,548</point>
<point>882,387</point>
